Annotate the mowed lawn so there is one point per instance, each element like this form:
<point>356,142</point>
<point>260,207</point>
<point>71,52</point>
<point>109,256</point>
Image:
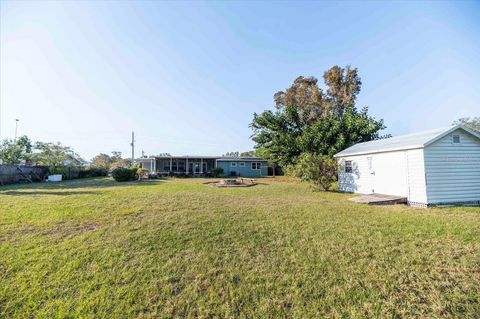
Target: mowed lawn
<point>177,248</point>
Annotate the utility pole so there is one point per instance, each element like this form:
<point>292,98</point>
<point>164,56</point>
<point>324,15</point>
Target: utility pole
<point>133,147</point>
<point>16,128</point>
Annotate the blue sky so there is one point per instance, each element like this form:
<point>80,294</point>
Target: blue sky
<point>187,76</point>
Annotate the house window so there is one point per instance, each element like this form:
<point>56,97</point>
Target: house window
<point>181,165</point>
<point>256,165</point>
<point>233,164</point>
<point>166,166</point>
<point>241,164</point>
<point>370,166</point>
<point>348,167</point>
<point>456,139</point>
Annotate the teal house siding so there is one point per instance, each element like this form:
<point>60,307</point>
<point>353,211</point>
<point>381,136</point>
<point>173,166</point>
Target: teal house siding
<point>202,165</point>
<point>243,168</point>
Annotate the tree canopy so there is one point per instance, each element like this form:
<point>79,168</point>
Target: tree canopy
<point>106,161</point>
<point>56,156</point>
<point>15,152</point>
<point>308,119</point>
<point>470,122</point>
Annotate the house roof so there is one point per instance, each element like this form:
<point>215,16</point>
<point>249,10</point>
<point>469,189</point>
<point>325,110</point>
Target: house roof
<point>179,157</point>
<point>402,142</point>
<point>245,159</point>
<point>218,158</point>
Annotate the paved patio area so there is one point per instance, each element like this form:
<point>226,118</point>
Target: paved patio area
<point>379,199</point>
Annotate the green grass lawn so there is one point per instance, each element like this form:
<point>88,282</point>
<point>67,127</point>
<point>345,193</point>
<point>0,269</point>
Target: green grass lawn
<point>177,248</point>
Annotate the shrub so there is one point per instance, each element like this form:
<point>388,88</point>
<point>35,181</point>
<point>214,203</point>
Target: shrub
<point>319,170</point>
<point>122,174</point>
<point>217,171</point>
<point>93,171</point>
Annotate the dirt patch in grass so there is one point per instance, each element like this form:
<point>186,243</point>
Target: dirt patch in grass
<point>232,183</point>
<point>58,232</point>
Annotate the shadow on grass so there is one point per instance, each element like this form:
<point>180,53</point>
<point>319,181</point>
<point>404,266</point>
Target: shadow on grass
<point>98,182</point>
<point>35,193</point>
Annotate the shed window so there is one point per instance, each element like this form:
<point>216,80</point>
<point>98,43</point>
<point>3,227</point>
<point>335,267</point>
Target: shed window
<point>256,165</point>
<point>233,164</point>
<point>348,167</point>
<point>241,164</point>
<point>456,139</point>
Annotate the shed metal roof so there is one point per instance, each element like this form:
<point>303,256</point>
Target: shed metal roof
<point>402,142</point>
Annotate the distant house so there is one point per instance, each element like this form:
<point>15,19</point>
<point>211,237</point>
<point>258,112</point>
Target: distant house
<point>243,166</point>
<point>441,166</point>
<point>202,165</point>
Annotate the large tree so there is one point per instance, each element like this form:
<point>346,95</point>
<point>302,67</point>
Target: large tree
<point>101,161</point>
<point>16,151</point>
<point>308,119</point>
<point>56,156</point>
<point>470,122</point>
<point>106,161</point>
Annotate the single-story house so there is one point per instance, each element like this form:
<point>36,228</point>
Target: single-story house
<point>203,165</point>
<point>243,166</point>
<point>435,167</point>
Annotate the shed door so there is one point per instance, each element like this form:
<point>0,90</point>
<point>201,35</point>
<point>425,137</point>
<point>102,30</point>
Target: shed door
<point>371,174</point>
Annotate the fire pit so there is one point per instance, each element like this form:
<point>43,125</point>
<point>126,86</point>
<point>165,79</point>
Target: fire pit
<point>233,183</point>
<point>229,182</point>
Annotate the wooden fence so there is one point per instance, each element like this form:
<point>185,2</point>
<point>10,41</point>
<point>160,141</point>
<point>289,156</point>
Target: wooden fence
<point>10,174</point>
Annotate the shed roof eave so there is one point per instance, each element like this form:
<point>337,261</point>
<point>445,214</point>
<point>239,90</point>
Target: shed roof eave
<point>384,150</point>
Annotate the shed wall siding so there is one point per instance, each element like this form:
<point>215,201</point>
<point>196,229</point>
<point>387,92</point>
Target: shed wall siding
<point>453,170</point>
<point>388,174</point>
<point>359,181</point>
<point>417,191</point>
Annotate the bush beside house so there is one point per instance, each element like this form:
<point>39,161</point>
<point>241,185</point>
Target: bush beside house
<point>122,174</point>
<point>217,171</point>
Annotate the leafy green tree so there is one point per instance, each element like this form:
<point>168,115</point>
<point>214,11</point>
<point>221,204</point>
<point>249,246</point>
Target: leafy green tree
<point>56,156</point>
<point>248,154</point>
<point>320,170</point>
<point>14,152</point>
<point>102,161</point>
<point>122,162</point>
<point>309,120</point>
<point>251,153</point>
<point>109,162</point>
<point>116,156</point>
<point>231,154</point>
<point>470,122</point>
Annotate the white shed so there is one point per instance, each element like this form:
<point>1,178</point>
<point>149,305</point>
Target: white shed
<point>440,166</point>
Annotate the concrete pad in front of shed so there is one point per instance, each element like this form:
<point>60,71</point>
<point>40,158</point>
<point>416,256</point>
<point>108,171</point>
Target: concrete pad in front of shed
<point>379,199</point>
